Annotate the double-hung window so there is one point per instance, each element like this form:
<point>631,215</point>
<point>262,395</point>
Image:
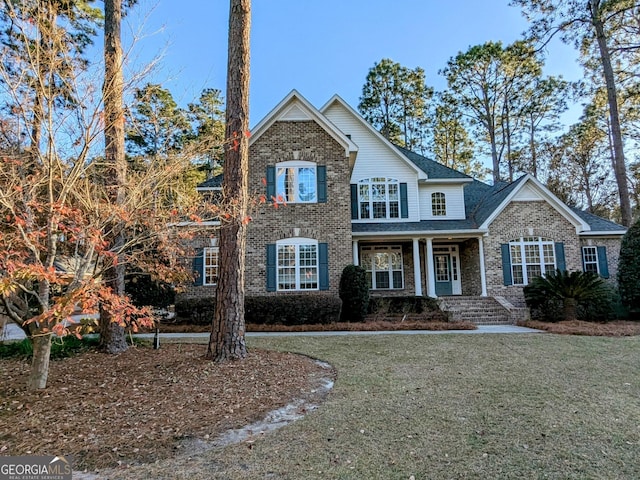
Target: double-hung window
<point>383,266</point>
<point>296,182</point>
<point>297,264</point>
<point>531,257</point>
<point>210,266</point>
<point>590,259</point>
<point>438,204</point>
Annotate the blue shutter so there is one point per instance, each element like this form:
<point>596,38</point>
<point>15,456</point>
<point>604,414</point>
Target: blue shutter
<point>506,264</point>
<point>354,201</point>
<point>560,261</point>
<point>198,268</point>
<point>271,183</point>
<point>321,172</point>
<point>323,266</point>
<point>404,203</point>
<point>271,267</point>
<point>603,264</point>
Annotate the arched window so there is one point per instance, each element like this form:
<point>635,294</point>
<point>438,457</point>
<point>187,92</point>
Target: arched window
<point>531,257</point>
<point>438,204</point>
<point>379,197</point>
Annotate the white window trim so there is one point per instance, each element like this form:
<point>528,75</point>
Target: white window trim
<point>441,205</point>
<point>596,262</point>
<point>296,164</point>
<point>371,268</point>
<point>297,242</point>
<point>520,243</point>
<point>387,181</point>
<point>205,265</point>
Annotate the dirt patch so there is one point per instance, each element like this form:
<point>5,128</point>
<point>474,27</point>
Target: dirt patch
<point>145,404</point>
<point>579,327</point>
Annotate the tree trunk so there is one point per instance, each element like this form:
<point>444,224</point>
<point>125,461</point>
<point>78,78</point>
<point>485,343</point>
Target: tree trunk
<point>569,309</point>
<point>619,166</point>
<point>39,362</point>
<point>112,335</point>
<point>532,146</point>
<point>227,340</point>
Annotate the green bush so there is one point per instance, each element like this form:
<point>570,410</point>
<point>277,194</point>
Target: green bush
<point>292,309</point>
<point>563,295</point>
<point>354,293</point>
<point>144,291</point>
<point>426,306</point>
<point>629,269</point>
<point>195,311</point>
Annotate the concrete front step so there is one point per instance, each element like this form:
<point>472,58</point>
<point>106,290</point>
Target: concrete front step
<point>478,310</point>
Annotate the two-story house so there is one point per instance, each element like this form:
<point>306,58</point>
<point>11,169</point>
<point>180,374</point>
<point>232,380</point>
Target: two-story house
<point>416,226</point>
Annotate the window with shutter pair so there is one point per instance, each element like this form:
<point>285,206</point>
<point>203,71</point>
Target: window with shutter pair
<point>297,182</point>
<point>379,198</point>
<point>297,264</point>
<point>525,258</point>
<point>594,259</point>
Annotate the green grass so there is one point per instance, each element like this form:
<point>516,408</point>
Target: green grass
<point>450,407</point>
<point>60,347</point>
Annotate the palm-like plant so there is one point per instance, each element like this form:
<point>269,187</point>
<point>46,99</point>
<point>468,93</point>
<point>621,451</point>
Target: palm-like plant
<point>570,288</point>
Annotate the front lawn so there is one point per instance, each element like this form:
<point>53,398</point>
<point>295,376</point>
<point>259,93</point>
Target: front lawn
<point>448,406</point>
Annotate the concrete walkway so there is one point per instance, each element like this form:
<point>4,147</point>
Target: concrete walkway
<point>13,332</point>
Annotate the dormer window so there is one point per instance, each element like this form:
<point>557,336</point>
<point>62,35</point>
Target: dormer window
<point>379,197</point>
<point>296,182</point>
<point>438,204</point>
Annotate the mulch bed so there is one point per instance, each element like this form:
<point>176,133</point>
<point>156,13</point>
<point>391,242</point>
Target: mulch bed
<point>141,405</point>
<point>579,327</point>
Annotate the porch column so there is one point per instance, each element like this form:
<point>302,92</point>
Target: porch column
<point>483,273</point>
<point>356,259</point>
<point>431,271</point>
<point>417,273</point>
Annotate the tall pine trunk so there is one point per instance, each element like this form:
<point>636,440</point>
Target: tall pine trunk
<point>112,334</point>
<point>619,166</point>
<point>227,340</point>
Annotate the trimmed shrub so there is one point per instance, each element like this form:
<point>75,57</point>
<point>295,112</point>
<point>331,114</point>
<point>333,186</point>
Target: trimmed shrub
<point>354,293</point>
<point>292,309</point>
<point>629,269</point>
<point>195,311</point>
<point>144,291</point>
<point>426,306</point>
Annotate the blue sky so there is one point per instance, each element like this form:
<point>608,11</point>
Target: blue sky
<point>321,47</point>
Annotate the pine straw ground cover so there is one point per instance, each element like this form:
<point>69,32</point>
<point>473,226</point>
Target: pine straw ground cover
<point>145,404</point>
<point>579,327</point>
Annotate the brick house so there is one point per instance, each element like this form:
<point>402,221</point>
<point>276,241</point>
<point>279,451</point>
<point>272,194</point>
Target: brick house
<point>416,226</point>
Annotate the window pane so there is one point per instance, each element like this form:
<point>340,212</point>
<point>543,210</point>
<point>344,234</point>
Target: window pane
<point>379,210</point>
<point>210,266</point>
<point>549,253</point>
<point>382,279</point>
<point>394,210</point>
<point>364,210</point>
<point>518,279</point>
<point>393,192</point>
<point>363,192</point>
<point>531,254</point>
<point>307,184</point>
<point>381,261</point>
<point>285,183</point>
<point>397,279</point>
<point>533,271</point>
<point>378,191</point>
<point>516,254</point>
<point>591,267</point>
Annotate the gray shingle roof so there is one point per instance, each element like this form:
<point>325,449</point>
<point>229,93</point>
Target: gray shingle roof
<point>599,224</point>
<point>433,169</point>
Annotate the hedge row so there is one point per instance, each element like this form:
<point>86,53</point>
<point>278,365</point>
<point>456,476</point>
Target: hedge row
<point>305,309</point>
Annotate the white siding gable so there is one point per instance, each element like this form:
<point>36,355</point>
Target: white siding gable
<point>294,113</point>
<point>527,194</point>
<point>454,197</point>
<point>376,158</point>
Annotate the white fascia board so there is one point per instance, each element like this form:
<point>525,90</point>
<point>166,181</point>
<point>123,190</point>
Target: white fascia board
<point>337,99</point>
<point>208,189</point>
<point>421,233</point>
<point>435,181</point>
<point>580,225</point>
<point>605,233</point>
<point>294,96</point>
